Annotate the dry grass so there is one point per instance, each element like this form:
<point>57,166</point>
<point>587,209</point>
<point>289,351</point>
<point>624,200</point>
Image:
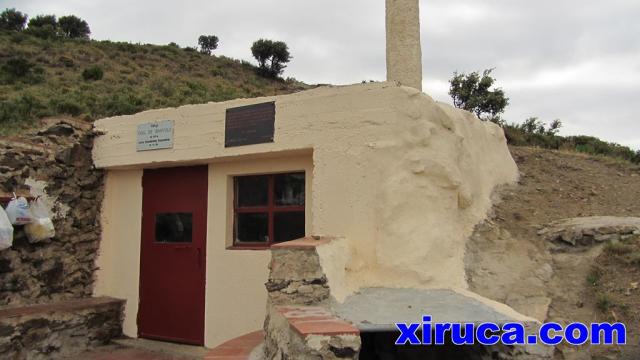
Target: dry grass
<point>136,77</point>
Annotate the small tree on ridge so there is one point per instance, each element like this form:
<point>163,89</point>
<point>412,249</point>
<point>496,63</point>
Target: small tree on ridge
<point>43,26</point>
<point>208,43</point>
<point>12,20</point>
<point>272,56</point>
<point>73,27</point>
<point>473,93</point>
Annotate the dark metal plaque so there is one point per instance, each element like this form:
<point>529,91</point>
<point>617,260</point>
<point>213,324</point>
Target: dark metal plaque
<point>252,124</point>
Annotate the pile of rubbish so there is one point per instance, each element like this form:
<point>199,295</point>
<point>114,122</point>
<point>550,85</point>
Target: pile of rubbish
<point>33,215</point>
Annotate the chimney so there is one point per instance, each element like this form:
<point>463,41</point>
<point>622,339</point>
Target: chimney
<point>404,53</point>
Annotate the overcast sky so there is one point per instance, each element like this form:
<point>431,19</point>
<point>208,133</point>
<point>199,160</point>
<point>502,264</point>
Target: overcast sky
<point>576,60</point>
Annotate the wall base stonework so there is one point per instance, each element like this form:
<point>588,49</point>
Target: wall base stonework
<point>296,276</point>
<point>294,332</point>
<point>299,323</point>
<point>59,330</point>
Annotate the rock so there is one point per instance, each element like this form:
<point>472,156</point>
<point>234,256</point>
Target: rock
<point>572,354</point>
<point>5,266</point>
<point>274,285</point>
<point>607,237</point>
<point>60,129</point>
<point>64,156</point>
<point>586,231</point>
<point>305,289</point>
<point>6,330</point>
<point>536,307</point>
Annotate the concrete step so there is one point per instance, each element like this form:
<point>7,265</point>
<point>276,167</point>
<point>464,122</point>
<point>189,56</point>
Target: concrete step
<point>171,350</point>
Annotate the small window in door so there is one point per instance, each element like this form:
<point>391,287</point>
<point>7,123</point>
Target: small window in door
<point>268,209</point>
<point>174,227</point>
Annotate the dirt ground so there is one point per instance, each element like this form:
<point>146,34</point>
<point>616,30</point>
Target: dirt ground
<point>509,262</point>
<point>115,352</point>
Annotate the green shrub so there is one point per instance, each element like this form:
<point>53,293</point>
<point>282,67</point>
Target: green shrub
<point>22,109</point>
<point>125,47</point>
<point>124,102</point>
<point>93,72</point>
<point>66,62</point>
<point>594,146</point>
<point>618,248</point>
<point>43,20</point>
<point>73,27</point>
<point>12,20</point>
<point>18,37</point>
<point>272,56</point>
<point>208,43</point>
<point>43,26</point>
<point>46,32</point>
<point>68,107</point>
<point>164,86</point>
<point>472,92</point>
<point>36,76</point>
<point>171,50</point>
<point>20,69</point>
<point>603,303</point>
<point>520,135</point>
<point>594,276</point>
<point>17,67</point>
<point>218,72</point>
<point>634,258</point>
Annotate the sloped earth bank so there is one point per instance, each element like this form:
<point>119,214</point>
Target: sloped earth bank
<point>511,257</point>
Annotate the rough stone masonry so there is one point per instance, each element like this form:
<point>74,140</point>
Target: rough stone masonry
<point>54,162</point>
<point>46,309</point>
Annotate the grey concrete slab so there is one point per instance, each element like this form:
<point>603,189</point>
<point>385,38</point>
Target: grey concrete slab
<point>378,309</point>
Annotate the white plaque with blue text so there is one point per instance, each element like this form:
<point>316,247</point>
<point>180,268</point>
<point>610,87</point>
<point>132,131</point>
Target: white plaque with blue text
<point>155,135</point>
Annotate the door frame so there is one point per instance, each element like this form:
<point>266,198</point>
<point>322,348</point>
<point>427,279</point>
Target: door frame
<point>201,254</point>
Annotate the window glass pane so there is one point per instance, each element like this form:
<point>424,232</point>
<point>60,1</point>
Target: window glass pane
<point>173,227</point>
<point>252,227</point>
<point>289,189</point>
<point>288,226</point>
<point>252,191</point>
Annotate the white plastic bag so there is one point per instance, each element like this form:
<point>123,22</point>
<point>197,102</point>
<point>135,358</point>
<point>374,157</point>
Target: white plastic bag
<point>6,231</point>
<point>41,228</point>
<point>18,211</point>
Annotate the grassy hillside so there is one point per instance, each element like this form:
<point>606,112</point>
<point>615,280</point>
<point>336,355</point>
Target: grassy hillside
<point>40,78</point>
<point>519,135</point>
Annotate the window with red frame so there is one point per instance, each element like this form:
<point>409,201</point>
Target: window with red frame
<point>268,209</point>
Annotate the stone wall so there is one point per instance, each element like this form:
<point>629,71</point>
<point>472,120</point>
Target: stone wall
<point>299,322</point>
<point>54,162</point>
<point>296,277</point>
<point>60,330</point>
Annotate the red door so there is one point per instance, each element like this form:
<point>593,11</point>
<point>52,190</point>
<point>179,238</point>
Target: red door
<point>172,258</point>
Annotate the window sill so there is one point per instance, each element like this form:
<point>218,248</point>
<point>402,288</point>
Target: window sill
<point>249,247</point>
